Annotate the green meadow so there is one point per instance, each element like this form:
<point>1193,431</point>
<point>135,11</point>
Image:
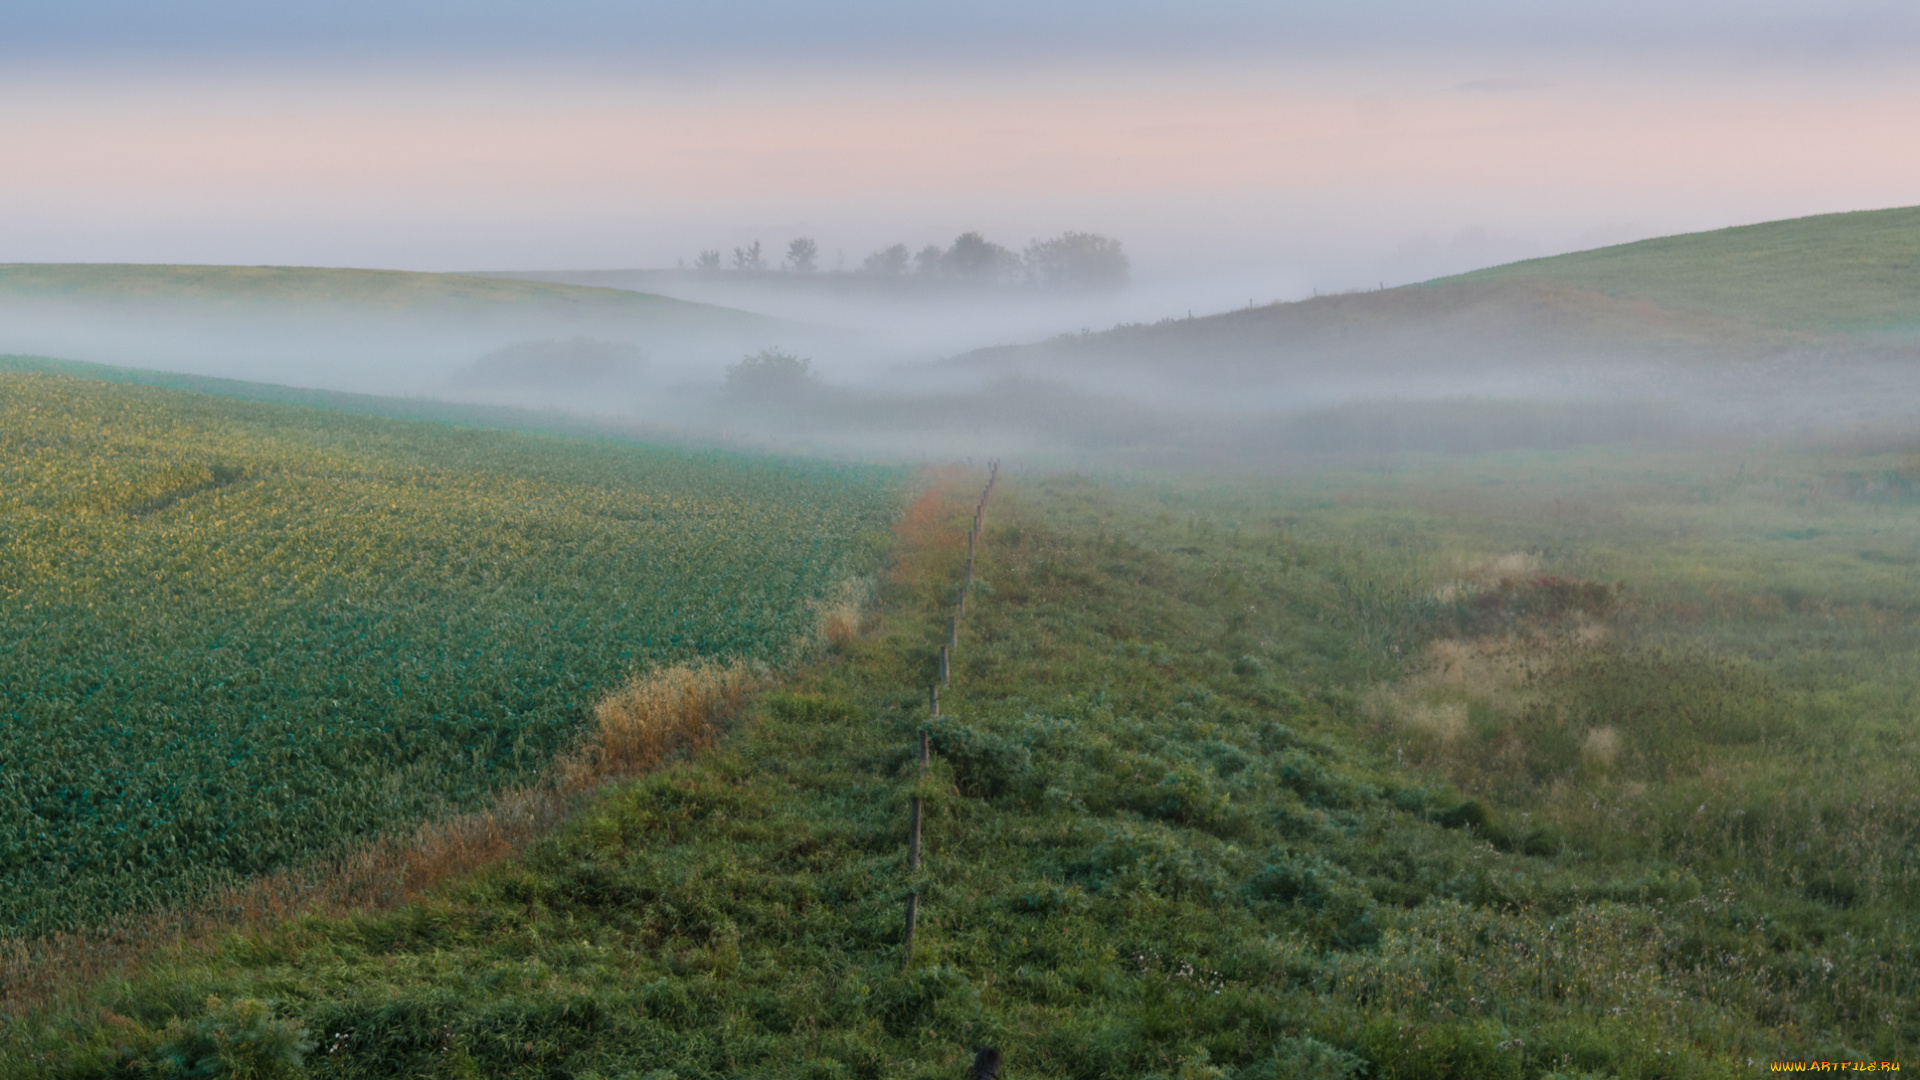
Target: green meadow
<point>1586,764</point>
<point>1854,272</point>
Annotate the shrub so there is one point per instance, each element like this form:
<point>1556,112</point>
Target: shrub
<point>772,374</point>
<point>985,765</point>
<point>240,1039</point>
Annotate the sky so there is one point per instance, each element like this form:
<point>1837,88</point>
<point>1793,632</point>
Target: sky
<point>1266,148</point>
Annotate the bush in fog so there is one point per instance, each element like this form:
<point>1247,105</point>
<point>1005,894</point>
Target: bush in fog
<point>1077,260</point>
<point>928,260</point>
<point>802,255</point>
<point>709,260</point>
<point>771,373</point>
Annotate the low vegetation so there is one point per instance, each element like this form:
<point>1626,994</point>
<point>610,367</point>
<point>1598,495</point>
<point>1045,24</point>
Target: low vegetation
<point>1439,772</point>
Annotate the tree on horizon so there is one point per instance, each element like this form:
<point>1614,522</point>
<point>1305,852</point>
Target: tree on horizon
<point>1078,261</point>
<point>803,255</point>
<point>977,258</point>
<point>888,262</point>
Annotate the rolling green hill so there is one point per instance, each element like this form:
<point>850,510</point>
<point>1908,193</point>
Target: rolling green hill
<point>370,291</point>
<point>1857,271</point>
<point>1834,286</point>
<point>370,331</point>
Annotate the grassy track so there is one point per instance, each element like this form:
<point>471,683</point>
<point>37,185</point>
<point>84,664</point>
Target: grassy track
<point>234,636</point>
<point>1200,809</point>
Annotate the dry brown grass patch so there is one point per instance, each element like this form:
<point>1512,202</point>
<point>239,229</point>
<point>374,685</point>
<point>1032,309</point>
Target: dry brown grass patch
<point>840,616</point>
<point>655,715</point>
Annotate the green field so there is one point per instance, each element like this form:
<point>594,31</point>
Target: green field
<point>1296,778</point>
<point>235,636</point>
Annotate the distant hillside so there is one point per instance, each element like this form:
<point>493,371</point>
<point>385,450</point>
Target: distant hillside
<point>1771,295</point>
<point>391,291</point>
<point>456,413</point>
<point>885,287</point>
<point>369,331</point>
<point>1833,272</point>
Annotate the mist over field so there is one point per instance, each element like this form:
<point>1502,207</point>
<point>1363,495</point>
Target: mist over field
<point>1243,156</point>
<point>1282,182</point>
<point>1222,540</point>
<point>1805,329</point>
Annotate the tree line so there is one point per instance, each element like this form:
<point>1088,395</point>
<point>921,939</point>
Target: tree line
<point>1073,261</point>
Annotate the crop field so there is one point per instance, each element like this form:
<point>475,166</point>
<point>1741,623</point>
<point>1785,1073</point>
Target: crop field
<point>234,635</point>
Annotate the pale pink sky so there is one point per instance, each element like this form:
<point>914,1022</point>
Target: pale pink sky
<point>1296,175</point>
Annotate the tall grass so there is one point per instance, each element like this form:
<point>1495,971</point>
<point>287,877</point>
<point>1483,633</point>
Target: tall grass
<point>655,715</point>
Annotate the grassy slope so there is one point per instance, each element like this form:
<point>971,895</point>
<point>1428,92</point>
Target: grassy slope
<point>234,635</point>
<point>1851,272</point>
<point>1167,837</point>
<point>1462,325</point>
<point>1701,298</point>
<point>203,288</point>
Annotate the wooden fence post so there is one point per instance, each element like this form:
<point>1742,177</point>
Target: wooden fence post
<point>913,837</point>
<point>926,751</point>
<point>913,921</point>
<point>933,699</point>
<point>945,673</point>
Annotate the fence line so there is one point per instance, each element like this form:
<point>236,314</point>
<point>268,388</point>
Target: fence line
<point>917,806</point>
